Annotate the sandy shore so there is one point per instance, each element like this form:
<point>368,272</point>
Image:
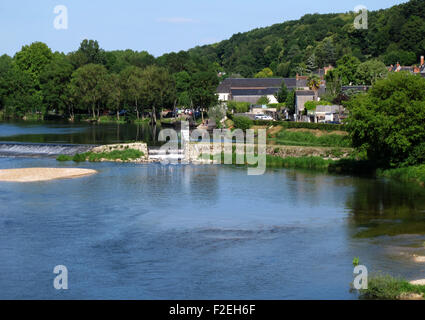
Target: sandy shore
<point>42,174</point>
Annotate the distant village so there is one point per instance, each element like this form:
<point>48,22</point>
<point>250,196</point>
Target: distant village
<point>252,90</point>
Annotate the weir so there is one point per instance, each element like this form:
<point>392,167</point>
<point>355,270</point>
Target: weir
<point>13,149</point>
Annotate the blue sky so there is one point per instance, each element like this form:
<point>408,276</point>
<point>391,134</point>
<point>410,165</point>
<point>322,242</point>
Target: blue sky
<point>156,26</point>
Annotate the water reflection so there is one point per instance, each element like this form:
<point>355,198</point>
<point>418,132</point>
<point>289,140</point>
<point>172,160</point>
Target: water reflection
<point>77,133</point>
<point>391,208</point>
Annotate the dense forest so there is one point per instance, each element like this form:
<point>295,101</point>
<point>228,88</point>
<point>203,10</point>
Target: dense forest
<point>93,82</point>
<point>394,35</point>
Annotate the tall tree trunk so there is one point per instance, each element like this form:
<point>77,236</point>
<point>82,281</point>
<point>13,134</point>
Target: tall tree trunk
<point>153,115</point>
<point>137,111</point>
<point>118,115</point>
<point>94,110</point>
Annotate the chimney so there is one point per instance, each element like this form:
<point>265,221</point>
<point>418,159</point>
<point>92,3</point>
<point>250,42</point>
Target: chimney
<point>422,60</point>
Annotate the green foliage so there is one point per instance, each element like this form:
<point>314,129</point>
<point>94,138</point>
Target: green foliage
<point>123,155</point>
<point>238,107</point>
<point>356,261</point>
<point>63,158</point>
<point>282,94</point>
<point>264,100</point>
<point>301,125</point>
<point>33,59</point>
<point>265,73</point>
<point>311,105</point>
<point>291,138</point>
<point>406,174</point>
<point>242,122</point>
<point>88,84</point>
<point>217,113</point>
<point>290,102</point>
<point>387,122</point>
<point>370,71</point>
<point>314,163</point>
<point>347,70</point>
<point>385,287</point>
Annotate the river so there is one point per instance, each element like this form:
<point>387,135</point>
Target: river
<point>198,232</point>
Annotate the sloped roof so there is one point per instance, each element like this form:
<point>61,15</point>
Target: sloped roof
<point>255,83</point>
<point>305,93</point>
<point>254,92</point>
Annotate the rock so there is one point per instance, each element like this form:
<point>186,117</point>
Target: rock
<point>411,296</point>
<point>420,282</point>
<point>418,258</point>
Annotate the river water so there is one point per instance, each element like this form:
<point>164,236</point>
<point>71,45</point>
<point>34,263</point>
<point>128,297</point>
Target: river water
<point>199,232</point>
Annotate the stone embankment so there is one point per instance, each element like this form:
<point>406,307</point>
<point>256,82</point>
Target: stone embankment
<point>140,146</point>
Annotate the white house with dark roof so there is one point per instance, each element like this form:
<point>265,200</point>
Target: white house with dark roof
<point>252,89</point>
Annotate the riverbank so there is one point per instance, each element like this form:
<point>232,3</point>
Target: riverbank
<point>385,287</point>
<point>42,174</point>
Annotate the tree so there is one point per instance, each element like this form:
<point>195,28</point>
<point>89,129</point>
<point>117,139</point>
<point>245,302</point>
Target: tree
<point>333,83</point>
<point>158,89</point>
<point>33,59</point>
<point>370,71</point>
<point>182,80</point>
<point>114,93</point>
<point>217,113</point>
<point>92,52</point>
<point>313,82</point>
<point>290,102</point>
<point>54,79</point>
<point>6,64</point>
<point>18,94</point>
<point>203,90</point>
<point>88,84</point>
<point>347,69</point>
<point>131,79</point>
<point>311,64</point>
<point>265,73</point>
<point>264,100</point>
<point>282,94</point>
<point>387,122</point>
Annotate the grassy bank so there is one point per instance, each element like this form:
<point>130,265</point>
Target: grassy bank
<point>385,287</point>
<point>122,155</point>
<point>405,174</point>
<point>314,163</point>
<point>300,138</point>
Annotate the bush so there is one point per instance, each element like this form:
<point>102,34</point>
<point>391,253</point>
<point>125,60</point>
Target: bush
<point>63,158</point>
<point>302,125</point>
<point>238,107</point>
<point>388,121</point>
<point>385,287</point>
<point>311,105</point>
<point>242,122</point>
<point>124,155</point>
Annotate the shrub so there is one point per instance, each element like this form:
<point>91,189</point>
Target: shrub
<point>64,157</point>
<point>79,157</point>
<point>243,123</point>
<point>302,125</point>
<point>238,107</point>
<point>385,287</point>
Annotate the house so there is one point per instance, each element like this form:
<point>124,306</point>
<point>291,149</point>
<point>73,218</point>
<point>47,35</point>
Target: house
<point>324,114</point>
<point>301,97</point>
<point>252,89</point>
<point>420,69</point>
